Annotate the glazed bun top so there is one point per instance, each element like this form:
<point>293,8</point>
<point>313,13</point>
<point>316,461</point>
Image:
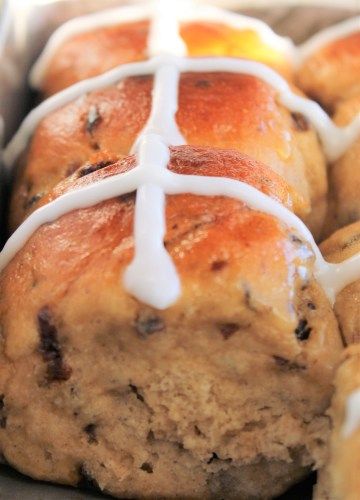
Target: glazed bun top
<point>223,110</point>
<point>332,73</point>
<point>108,47</point>
<point>218,244</point>
<point>232,103</point>
<point>191,160</point>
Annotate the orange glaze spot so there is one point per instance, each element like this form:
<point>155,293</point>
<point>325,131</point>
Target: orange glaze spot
<point>205,38</point>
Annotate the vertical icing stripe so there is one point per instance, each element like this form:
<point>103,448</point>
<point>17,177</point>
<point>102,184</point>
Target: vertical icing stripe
<point>164,35</point>
<point>151,276</point>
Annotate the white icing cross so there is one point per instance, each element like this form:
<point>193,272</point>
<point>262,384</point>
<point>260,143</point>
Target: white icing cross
<point>159,285</point>
<point>352,414</point>
<point>335,139</point>
<point>152,277</point>
<point>173,11</point>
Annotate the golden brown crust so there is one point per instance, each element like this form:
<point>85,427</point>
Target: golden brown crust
<point>344,175</point>
<point>332,73</point>
<point>243,237</point>
<point>331,76</point>
<point>108,47</point>
<point>225,392</point>
<point>215,109</point>
<point>104,47</point>
<point>134,397</point>
<point>193,160</point>
<point>200,161</point>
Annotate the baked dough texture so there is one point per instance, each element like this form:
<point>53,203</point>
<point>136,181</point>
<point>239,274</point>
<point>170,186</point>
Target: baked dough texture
<point>223,393</point>
<point>226,393</point>
<point>344,175</point>
<point>332,77</point>
<point>339,480</point>
<point>331,74</point>
<point>215,109</point>
<point>108,47</point>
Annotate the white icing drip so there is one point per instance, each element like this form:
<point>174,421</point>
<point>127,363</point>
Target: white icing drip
<point>335,139</point>
<point>152,276</point>
<point>335,277</point>
<point>164,35</point>
<point>327,36</point>
<point>352,415</point>
<point>180,10</point>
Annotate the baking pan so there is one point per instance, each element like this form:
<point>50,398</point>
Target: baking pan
<point>24,28</point>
